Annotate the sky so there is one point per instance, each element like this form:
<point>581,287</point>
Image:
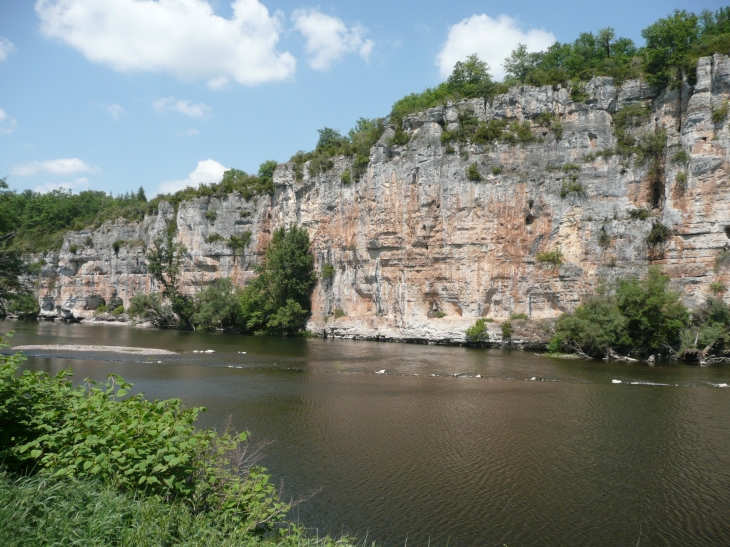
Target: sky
<point>116,94</point>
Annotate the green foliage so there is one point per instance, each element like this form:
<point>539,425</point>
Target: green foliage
<point>117,245</point>
<point>469,79</point>
<point>496,170</point>
<point>658,235</point>
<point>277,301</point>
<point>593,328</point>
<point>638,214</point>
<point>439,315</point>
<point>73,248</point>
<point>680,157</point>
<point>211,215</point>
<point>238,243</point>
<point>23,305</point>
<point>357,143</point>
<point>642,316</point>
<point>668,43</point>
<point>101,308</point>
<point>478,331</point>
<point>604,240</point>
<point>507,329</point>
<point>472,173</point>
<point>218,306</point>
<point>722,260</point>
<point>681,181</point>
<point>39,221</point>
<point>345,177</point>
<point>339,312</point>
<point>719,114</point>
<point>624,121</point>
<point>578,93</point>
<point>550,257</point>
<point>164,264</point>
<point>328,271</point>
<point>152,449</point>
<point>150,307</point>
<point>518,317</point>
<point>119,310</point>
<point>571,185</point>
<point>717,287</point>
<point>214,238</point>
<point>601,54</point>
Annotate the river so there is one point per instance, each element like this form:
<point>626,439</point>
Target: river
<point>537,451</point>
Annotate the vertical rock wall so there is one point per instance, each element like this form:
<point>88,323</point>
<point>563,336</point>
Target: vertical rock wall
<point>420,251</point>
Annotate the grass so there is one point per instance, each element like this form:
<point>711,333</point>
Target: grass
<point>40,511</point>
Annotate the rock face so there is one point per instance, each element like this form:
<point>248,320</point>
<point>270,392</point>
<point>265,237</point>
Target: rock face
<point>420,251</point>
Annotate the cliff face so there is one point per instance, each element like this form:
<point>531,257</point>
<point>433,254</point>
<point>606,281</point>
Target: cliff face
<point>420,251</point>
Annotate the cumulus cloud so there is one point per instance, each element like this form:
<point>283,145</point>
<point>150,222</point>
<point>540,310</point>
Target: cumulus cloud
<point>206,172</point>
<point>65,166</point>
<point>181,106</point>
<point>77,184</point>
<point>184,38</point>
<point>114,110</point>
<point>7,123</point>
<point>329,39</point>
<point>6,48</point>
<point>492,39</point>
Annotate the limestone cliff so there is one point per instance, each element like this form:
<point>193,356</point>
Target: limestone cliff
<point>420,250</point>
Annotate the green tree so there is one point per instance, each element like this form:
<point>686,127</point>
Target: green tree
<point>470,78</point>
<point>668,41</point>
<point>141,196</point>
<point>266,171</point>
<point>278,300</point>
<point>520,63</point>
<point>218,306</point>
<point>595,328</point>
<point>164,263</point>
<point>655,315</point>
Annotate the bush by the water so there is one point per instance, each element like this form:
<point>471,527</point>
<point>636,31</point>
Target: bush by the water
<point>637,315</point>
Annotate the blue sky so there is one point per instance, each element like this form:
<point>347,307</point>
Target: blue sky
<point>116,94</point>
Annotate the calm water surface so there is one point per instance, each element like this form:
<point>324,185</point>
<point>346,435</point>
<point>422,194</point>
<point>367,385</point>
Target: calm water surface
<point>538,451</point>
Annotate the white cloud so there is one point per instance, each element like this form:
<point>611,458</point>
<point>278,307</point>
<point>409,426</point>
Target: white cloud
<point>78,184</point>
<point>7,123</point>
<point>66,166</point>
<point>206,172</point>
<point>181,106</point>
<point>114,110</point>
<point>6,48</point>
<point>188,133</point>
<point>492,39</point>
<point>184,38</point>
<point>329,39</point>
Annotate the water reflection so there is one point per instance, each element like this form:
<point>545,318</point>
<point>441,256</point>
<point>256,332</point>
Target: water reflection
<point>566,459</point>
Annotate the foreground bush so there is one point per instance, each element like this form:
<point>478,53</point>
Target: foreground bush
<point>150,449</point>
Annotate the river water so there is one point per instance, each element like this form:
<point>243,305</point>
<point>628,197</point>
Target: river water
<point>537,451</point>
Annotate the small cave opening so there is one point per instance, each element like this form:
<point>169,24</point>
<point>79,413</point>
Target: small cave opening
<point>530,204</point>
<point>727,231</point>
<point>529,219</point>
